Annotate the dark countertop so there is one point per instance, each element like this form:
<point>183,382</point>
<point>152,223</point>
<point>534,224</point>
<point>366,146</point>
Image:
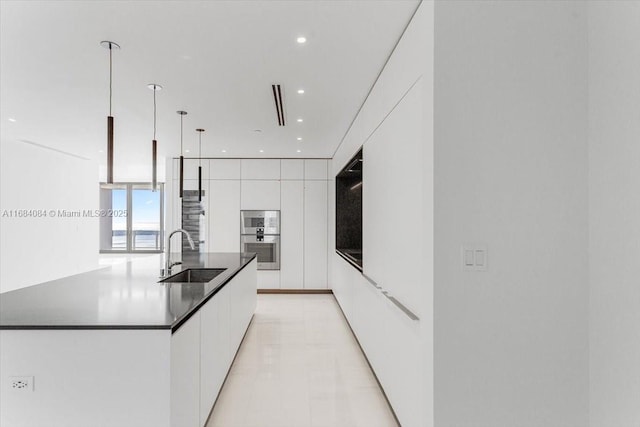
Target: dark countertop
<point>124,296</point>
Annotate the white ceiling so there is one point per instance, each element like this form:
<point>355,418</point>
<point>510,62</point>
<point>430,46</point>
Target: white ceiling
<point>215,59</point>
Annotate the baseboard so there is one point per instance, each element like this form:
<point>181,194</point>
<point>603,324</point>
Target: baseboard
<point>295,291</point>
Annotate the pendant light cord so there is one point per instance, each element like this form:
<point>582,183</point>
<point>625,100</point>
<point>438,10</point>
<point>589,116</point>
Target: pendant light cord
<point>181,116</point>
<point>199,148</point>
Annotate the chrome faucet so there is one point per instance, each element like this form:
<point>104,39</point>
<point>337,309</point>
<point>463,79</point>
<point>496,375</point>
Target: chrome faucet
<point>168,263</point>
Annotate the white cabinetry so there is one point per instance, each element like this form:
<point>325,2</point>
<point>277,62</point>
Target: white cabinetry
<point>315,169</point>
<point>224,169</point>
<point>260,169</point>
<point>260,195</point>
<point>224,216</point>
<point>292,235</point>
<point>315,234</point>
<point>185,374</point>
<point>292,169</point>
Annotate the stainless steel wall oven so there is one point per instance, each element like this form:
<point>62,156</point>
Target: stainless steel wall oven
<point>260,233</point>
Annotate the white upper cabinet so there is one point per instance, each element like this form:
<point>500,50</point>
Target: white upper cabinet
<point>292,169</point>
<point>224,169</point>
<point>260,195</point>
<point>315,169</point>
<point>260,169</point>
<point>191,169</point>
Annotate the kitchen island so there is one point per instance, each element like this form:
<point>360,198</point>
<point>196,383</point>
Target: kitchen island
<point>114,347</point>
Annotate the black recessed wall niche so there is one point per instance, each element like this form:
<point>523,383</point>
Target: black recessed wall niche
<point>349,211</point>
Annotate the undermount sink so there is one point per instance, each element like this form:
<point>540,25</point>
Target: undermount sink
<point>194,275</point>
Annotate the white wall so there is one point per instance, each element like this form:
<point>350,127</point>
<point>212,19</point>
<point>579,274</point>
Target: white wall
<point>614,212</point>
<point>510,173</point>
<point>33,177</point>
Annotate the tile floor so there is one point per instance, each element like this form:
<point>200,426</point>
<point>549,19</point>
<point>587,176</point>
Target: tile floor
<point>300,366</point>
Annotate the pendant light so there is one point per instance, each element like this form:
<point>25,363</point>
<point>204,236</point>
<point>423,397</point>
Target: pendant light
<point>199,163</point>
<point>154,144</point>
<point>182,114</point>
<point>111,46</point>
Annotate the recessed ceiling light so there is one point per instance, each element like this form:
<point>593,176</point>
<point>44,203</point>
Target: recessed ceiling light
<point>224,151</point>
<point>186,151</point>
<point>299,120</point>
<point>262,151</point>
<point>100,151</point>
<point>299,139</point>
<point>300,91</point>
<point>299,151</point>
<point>301,40</point>
<point>12,120</point>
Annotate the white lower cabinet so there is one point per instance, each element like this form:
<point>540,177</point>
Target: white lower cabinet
<point>315,234</point>
<point>185,374</point>
<point>203,348</point>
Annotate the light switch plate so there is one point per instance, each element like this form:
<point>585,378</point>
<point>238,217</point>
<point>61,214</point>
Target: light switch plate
<point>474,257</point>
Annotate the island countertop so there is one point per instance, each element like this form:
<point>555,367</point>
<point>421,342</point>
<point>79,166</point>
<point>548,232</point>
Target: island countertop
<point>124,296</point>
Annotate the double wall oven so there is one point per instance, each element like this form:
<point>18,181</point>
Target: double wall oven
<point>260,233</point>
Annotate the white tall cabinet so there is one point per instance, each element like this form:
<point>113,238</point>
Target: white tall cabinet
<point>298,188</point>
<point>315,234</point>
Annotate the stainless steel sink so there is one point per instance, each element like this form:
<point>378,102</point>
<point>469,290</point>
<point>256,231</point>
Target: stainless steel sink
<point>194,275</point>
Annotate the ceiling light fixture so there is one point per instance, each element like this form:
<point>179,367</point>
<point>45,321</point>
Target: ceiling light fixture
<point>111,46</point>
<point>224,151</point>
<point>199,163</point>
<point>182,114</point>
<point>300,91</point>
<point>187,151</point>
<point>262,151</point>
<point>12,120</point>
<point>298,151</point>
<point>154,144</point>
<point>299,120</point>
<point>301,40</point>
<point>299,139</point>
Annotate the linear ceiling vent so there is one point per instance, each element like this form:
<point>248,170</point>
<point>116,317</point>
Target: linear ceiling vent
<point>277,97</point>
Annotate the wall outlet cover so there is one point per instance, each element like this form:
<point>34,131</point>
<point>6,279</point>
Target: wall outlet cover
<point>21,384</point>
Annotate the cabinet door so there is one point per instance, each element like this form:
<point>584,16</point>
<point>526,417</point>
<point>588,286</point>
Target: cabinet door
<point>185,374</point>
<point>291,235</point>
<point>224,216</point>
<point>224,169</point>
<point>292,169</point>
<point>315,234</point>
<point>260,195</point>
<point>213,358</point>
<point>315,169</point>
<point>260,169</point>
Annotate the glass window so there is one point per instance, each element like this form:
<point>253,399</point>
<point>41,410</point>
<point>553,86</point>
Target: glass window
<point>131,218</point>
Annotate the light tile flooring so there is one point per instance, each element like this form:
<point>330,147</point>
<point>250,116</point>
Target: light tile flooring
<point>299,366</point>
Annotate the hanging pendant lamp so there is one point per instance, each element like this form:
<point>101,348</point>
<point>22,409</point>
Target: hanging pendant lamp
<point>111,46</point>
<point>199,163</point>
<point>154,144</point>
<point>182,114</point>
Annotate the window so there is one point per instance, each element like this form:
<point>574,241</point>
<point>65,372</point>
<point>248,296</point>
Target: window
<point>131,218</point>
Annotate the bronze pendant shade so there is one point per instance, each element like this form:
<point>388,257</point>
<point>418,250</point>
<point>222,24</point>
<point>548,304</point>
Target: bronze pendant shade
<point>154,143</point>
<point>199,163</point>
<point>111,46</point>
<point>182,114</point>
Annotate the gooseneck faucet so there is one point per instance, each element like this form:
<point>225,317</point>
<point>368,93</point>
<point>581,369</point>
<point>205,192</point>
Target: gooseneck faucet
<point>168,263</point>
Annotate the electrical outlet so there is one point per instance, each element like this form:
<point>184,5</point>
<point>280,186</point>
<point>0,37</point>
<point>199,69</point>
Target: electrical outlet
<point>21,383</point>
